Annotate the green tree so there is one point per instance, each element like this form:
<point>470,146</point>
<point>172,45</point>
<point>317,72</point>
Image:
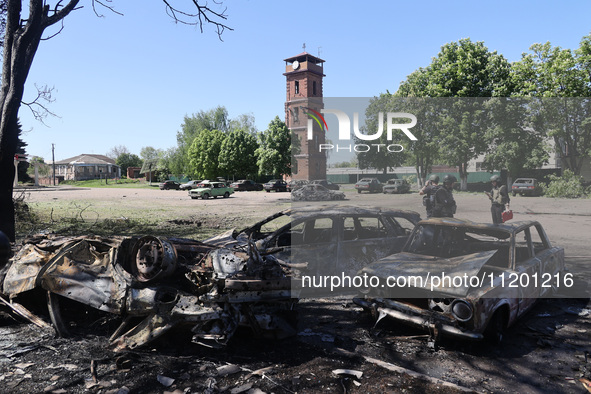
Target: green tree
<point>204,154</point>
<point>173,160</point>
<point>214,119</point>
<point>237,154</point>
<point>513,143</point>
<point>126,160</point>
<point>461,69</point>
<point>561,78</point>
<point>43,169</point>
<point>23,34</point>
<point>275,149</point>
<point>378,156</point>
<point>244,122</point>
<point>150,153</point>
<point>117,151</point>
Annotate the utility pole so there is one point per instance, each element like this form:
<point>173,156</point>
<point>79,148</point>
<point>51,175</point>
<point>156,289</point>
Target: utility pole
<point>53,159</point>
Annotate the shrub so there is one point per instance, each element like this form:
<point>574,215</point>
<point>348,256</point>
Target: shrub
<point>568,185</point>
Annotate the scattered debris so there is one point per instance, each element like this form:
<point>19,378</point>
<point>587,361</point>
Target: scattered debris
<point>164,380</point>
<point>323,336</point>
<point>352,372</point>
<point>229,369</point>
<point>241,388</point>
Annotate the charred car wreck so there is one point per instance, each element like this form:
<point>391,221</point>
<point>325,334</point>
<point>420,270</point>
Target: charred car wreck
<point>327,239</point>
<point>466,280</point>
<point>157,284</point>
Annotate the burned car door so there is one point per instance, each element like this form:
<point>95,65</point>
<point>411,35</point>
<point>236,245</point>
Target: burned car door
<point>526,270</point>
<point>309,244</point>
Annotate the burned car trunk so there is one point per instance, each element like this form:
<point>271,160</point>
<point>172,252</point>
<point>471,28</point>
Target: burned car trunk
<point>163,283</point>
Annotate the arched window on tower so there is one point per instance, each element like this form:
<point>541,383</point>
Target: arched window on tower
<point>297,87</point>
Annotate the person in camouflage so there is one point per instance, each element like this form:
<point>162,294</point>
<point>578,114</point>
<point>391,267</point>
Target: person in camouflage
<point>499,197</point>
<point>445,205</point>
<point>428,192</point>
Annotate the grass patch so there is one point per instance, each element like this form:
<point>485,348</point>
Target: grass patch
<point>111,183</point>
<point>82,218</point>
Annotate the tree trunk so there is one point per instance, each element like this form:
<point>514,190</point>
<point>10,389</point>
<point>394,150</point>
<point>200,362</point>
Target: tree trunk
<point>20,45</point>
<point>462,168</point>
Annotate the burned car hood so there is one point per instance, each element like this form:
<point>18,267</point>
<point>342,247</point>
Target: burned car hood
<point>423,269</point>
<point>225,239</point>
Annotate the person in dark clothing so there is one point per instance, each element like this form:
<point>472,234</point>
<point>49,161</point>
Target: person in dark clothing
<point>499,198</point>
<point>444,205</point>
<point>428,192</point>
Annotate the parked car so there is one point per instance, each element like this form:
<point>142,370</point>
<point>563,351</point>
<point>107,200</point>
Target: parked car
<point>326,183</point>
<point>211,189</point>
<point>326,239</point>
<point>372,185</point>
<point>396,186</point>
<point>169,185</point>
<point>526,187</point>
<point>295,184</point>
<point>246,185</point>
<point>190,185</point>
<point>314,192</point>
<point>495,274</point>
<point>156,286</point>
<point>277,185</point>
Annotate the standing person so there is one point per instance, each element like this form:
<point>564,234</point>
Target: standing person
<point>444,205</point>
<point>428,192</point>
<point>499,198</point>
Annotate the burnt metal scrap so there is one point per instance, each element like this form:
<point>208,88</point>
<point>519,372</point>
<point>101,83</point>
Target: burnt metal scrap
<point>162,283</point>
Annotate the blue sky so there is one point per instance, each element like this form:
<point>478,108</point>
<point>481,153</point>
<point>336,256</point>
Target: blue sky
<point>130,80</point>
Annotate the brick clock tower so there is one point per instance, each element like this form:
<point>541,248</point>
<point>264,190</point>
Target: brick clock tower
<point>304,74</point>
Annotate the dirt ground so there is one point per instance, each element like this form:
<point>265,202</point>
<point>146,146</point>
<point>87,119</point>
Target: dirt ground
<point>545,352</point>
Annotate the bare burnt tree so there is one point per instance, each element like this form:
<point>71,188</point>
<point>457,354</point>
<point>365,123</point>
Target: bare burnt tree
<point>22,36</point>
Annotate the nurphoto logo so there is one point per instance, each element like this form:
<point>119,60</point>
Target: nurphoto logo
<point>344,130</point>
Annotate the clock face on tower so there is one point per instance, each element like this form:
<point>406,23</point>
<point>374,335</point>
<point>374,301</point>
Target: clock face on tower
<point>295,65</point>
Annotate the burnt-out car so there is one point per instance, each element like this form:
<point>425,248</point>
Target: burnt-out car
<point>466,280</point>
<point>315,192</point>
<point>324,240</point>
<point>155,285</point>
<point>396,186</point>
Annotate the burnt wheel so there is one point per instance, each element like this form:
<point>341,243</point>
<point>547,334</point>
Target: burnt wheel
<point>495,330</point>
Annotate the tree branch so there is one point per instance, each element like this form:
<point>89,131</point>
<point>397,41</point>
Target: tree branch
<point>40,111</point>
<point>58,15</point>
<point>203,15</point>
<point>103,3</point>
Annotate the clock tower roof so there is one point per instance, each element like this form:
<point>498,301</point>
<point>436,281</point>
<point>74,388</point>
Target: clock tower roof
<point>304,62</point>
<point>303,57</point>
